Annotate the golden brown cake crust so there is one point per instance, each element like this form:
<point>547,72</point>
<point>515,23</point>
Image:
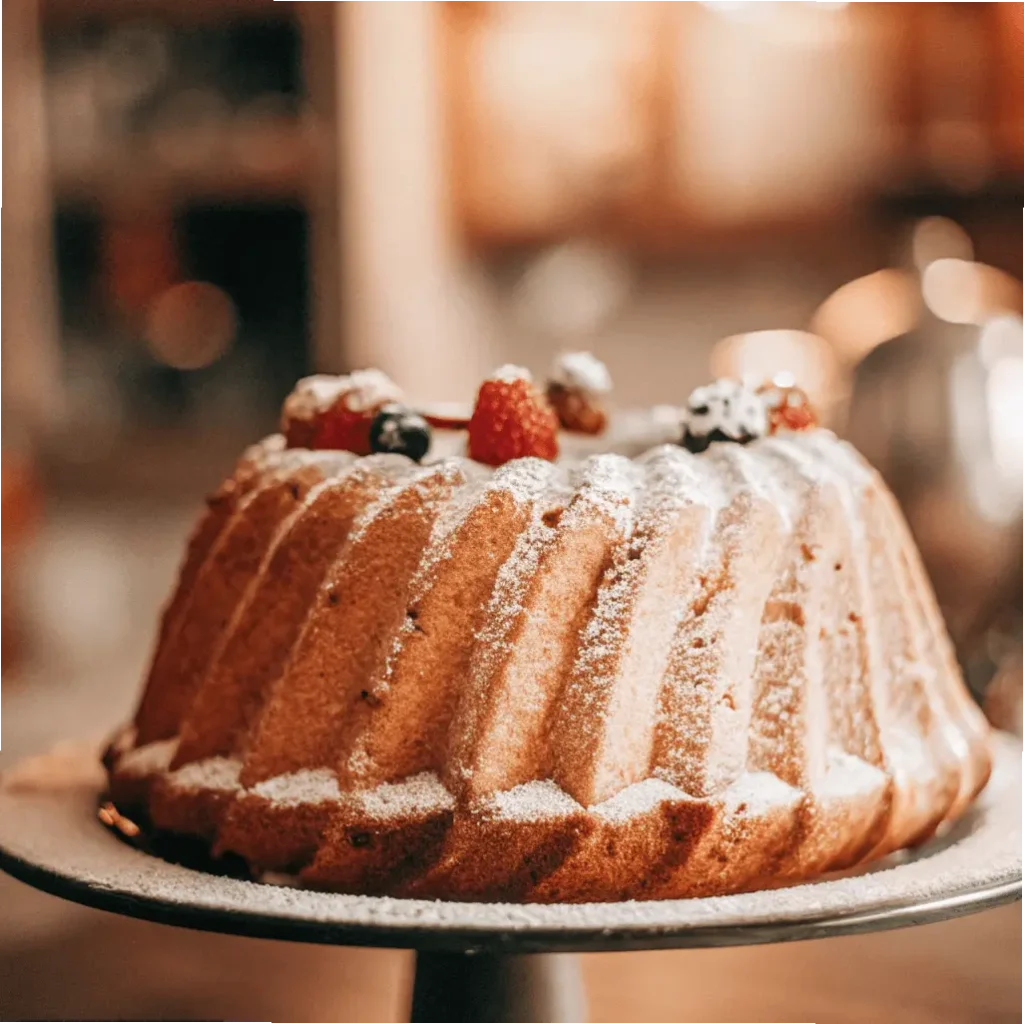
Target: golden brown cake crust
<point>618,678</point>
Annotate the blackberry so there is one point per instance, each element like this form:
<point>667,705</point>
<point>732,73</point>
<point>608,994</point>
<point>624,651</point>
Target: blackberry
<point>401,431</point>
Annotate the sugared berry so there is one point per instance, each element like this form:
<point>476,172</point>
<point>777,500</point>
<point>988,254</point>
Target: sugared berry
<point>399,430</point>
<point>724,411</point>
<point>576,410</point>
<point>327,412</point>
<point>581,371</point>
<point>578,381</point>
<point>788,407</point>
<point>512,420</point>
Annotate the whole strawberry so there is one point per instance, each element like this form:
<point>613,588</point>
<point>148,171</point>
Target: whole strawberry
<point>512,420</point>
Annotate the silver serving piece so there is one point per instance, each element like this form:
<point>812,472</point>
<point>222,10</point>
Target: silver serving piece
<point>939,412</point>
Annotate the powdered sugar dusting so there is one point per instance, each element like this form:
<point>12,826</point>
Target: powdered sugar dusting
<point>604,635</point>
<point>847,777</point>
<point>756,794</point>
<point>838,456</point>
<point>671,482</point>
<point>260,453</point>
<point>510,588</point>
<point>424,479</point>
<point>445,527</point>
<point>212,773</point>
<point>413,797</point>
<point>369,389</point>
<point>532,801</point>
<point>745,469</point>
<point>492,645</point>
<point>509,373</point>
<point>525,479</point>
<point>307,786</point>
<point>328,461</point>
<point>57,831</point>
<point>582,371</point>
<point>673,478</point>
<point>638,799</point>
<point>607,485</point>
<point>363,390</point>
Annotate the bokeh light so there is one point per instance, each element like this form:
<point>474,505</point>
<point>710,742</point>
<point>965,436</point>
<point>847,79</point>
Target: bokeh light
<point>572,290</point>
<point>191,325</point>
<point>785,358</point>
<point>936,238</point>
<point>963,292</point>
<point>861,314</point>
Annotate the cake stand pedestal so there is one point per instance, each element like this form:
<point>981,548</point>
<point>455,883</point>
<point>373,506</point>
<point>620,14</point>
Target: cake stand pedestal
<point>497,962</point>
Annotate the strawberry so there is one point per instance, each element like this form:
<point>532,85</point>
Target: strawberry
<point>512,420</point>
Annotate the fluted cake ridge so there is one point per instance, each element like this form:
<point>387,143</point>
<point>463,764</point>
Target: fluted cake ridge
<point>641,675</point>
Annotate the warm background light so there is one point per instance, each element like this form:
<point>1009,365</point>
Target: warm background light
<point>963,292</point>
<point>936,238</point>
<point>191,325</point>
<point>863,313</point>
<point>783,357</point>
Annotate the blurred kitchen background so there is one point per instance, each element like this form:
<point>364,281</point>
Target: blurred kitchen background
<point>207,200</point>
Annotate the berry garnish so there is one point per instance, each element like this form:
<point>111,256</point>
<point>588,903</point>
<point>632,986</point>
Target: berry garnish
<point>512,420</point>
<point>788,407</point>
<point>398,429</point>
<point>723,411</point>
<point>577,382</point>
<point>336,412</point>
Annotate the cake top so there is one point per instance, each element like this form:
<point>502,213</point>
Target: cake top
<point>514,418</point>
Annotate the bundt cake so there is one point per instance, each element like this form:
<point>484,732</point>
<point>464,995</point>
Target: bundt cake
<point>636,674</point>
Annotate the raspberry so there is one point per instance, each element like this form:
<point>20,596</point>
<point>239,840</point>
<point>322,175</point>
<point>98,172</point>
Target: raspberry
<point>340,428</point>
<point>789,408</point>
<point>336,412</point>
<point>511,420</point>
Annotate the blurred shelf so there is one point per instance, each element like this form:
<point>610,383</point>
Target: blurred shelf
<point>922,194</point>
<point>664,237</point>
<point>182,12</point>
<point>126,174</point>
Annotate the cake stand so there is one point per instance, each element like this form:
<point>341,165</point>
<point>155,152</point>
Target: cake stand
<point>497,962</point>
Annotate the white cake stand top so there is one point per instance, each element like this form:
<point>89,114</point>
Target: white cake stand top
<point>50,838</point>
